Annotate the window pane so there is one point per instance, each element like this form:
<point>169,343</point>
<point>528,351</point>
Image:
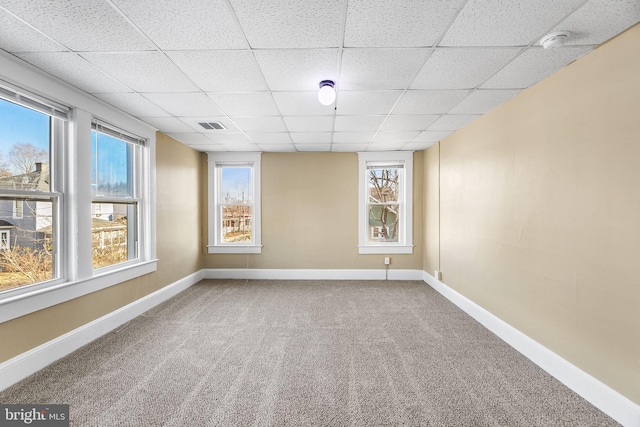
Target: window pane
<point>383,222</point>
<point>236,185</point>
<point>384,185</point>
<point>25,243</point>
<point>25,137</point>
<point>236,223</point>
<point>113,233</point>
<point>111,164</point>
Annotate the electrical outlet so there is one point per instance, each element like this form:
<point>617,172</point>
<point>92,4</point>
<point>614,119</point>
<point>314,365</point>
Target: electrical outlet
<point>387,260</point>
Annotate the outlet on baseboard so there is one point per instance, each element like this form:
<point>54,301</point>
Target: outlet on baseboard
<point>387,260</point>
<point>438,275</point>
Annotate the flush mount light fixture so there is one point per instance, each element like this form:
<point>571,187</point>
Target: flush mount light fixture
<point>327,92</point>
<point>553,40</point>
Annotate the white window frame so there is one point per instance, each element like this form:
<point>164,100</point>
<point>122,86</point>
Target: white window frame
<point>73,175</point>
<point>18,209</point>
<point>215,244</point>
<point>5,239</point>
<point>404,245</point>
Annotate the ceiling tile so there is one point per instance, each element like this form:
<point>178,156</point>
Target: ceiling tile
<point>191,138</point>
<point>534,65</point>
<point>484,100</point>
<point>599,20</point>
<point>349,148</point>
<point>453,122</point>
<point>143,71</point>
<point>294,70</point>
<point>309,123</point>
<point>80,25</point>
<point>185,24</point>
<point>290,23</point>
<point>227,138</point>
<point>260,124</point>
<point>385,146</point>
<point>409,23</point>
<point>389,137</point>
<point>418,146</point>
<point>366,69</point>
<point>428,101</point>
<point>263,138</point>
<point>461,68</point>
<point>352,137</point>
<point>194,124</point>
<point>221,70</point>
<point>74,70</point>
<point>313,147</point>
<point>409,122</point>
<point>168,125</point>
<point>241,147</point>
<point>311,137</point>
<point>431,136</point>
<point>358,123</point>
<point>366,103</point>
<point>505,23</point>
<point>185,104</point>
<point>245,104</point>
<point>134,104</point>
<point>301,104</point>
<point>16,36</point>
<point>277,148</point>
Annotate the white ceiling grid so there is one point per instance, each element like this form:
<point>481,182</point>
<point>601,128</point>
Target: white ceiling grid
<point>407,73</point>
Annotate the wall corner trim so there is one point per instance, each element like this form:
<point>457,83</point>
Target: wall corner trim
<point>30,362</point>
<point>311,274</point>
<point>591,389</point>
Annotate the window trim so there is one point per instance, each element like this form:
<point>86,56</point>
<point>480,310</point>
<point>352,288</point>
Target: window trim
<point>404,245</point>
<point>214,245</point>
<point>73,177</point>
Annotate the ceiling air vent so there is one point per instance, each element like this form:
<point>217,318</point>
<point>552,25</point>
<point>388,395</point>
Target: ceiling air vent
<point>212,125</point>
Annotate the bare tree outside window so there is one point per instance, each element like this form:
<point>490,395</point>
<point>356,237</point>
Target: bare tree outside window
<point>384,191</point>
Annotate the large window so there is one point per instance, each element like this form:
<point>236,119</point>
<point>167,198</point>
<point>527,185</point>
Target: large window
<point>385,217</point>
<point>30,195</point>
<point>234,203</point>
<point>115,164</point>
<point>76,199</point>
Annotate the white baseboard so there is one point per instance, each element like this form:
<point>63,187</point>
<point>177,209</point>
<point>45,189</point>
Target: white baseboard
<point>30,362</point>
<point>311,274</point>
<point>594,391</point>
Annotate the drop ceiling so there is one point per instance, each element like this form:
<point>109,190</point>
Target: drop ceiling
<point>408,73</point>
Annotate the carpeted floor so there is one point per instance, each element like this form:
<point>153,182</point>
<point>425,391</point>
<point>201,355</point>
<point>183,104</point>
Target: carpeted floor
<point>304,353</point>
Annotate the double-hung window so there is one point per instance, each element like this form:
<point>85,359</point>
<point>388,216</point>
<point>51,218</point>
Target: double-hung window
<point>385,202</point>
<point>234,203</point>
<point>32,132</point>
<point>115,164</point>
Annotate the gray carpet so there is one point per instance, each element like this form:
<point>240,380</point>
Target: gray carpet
<point>304,353</point>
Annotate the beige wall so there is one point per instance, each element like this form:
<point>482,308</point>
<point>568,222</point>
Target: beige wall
<point>431,256</point>
<point>540,212</point>
<point>178,249</point>
<point>310,216</point>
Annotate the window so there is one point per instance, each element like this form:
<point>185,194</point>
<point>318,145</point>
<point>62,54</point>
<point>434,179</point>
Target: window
<point>18,208</point>
<point>75,197</point>
<point>115,164</point>
<point>385,202</point>
<point>31,132</point>
<point>234,203</point>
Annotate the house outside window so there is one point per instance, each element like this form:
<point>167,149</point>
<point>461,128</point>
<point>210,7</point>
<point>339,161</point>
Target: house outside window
<point>385,202</point>
<point>234,203</point>
<point>30,195</point>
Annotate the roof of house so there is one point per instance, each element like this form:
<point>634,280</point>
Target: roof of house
<point>36,180</point>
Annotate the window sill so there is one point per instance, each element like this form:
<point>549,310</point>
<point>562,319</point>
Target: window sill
<point>41,297</point>
<point>235,249</point>
<point>385,249</point>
